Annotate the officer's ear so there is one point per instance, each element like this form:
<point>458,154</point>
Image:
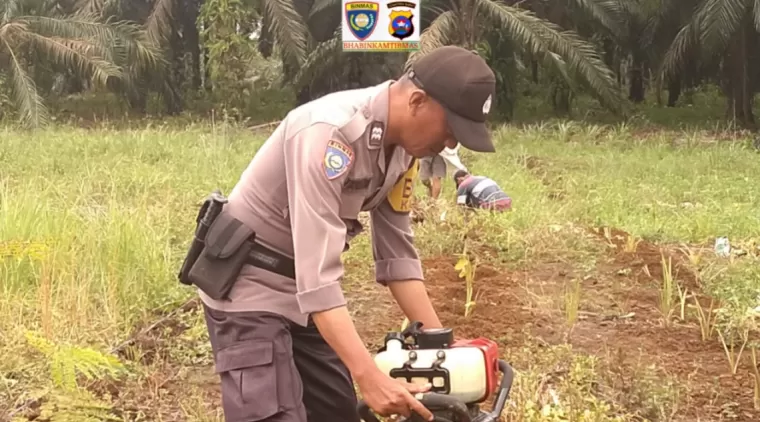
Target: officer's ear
<point>417,99</point>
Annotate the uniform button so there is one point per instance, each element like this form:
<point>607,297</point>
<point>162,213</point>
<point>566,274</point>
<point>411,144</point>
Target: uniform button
<point>365,112</point>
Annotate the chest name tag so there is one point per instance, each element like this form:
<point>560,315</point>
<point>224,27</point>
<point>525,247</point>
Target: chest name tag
<point>400,197</point>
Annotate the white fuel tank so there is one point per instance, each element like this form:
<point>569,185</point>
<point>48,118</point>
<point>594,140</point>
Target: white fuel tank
<point>466,366</point>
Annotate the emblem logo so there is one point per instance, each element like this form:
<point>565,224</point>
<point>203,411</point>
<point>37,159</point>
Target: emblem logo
<point>338,158</point>
<point>361,17</point>
<point>401,25</point>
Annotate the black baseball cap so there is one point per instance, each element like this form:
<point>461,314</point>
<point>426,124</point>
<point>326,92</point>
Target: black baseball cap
<point>461,81</point>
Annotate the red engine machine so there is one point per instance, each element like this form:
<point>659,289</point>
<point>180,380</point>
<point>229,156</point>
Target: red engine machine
<point>463,373</point>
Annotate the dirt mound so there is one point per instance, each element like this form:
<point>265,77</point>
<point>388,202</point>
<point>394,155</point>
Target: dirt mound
<point>618,317</point>
<point>499,309</point>
<point>645,258</point>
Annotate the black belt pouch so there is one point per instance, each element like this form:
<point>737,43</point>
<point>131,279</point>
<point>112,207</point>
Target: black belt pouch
<point>228,243</point>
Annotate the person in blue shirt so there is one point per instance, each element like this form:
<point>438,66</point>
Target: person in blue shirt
<point>480,192</point>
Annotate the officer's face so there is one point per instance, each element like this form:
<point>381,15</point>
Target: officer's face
<point>427,132</point>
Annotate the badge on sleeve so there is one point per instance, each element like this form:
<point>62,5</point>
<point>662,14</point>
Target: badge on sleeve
<point>338,158</point>
<point>377,130</point>
<point>400,197</point>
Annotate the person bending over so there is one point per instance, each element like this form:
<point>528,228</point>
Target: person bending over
<point>285,346</point>
<point>480,192</point>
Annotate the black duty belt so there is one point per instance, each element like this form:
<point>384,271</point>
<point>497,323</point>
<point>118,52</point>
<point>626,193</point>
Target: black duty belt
<point>270,260</point>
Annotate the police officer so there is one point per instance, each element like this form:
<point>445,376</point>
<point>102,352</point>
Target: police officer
<point>284,344</point>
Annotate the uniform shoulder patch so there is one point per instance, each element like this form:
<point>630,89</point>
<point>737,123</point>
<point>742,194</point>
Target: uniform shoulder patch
<point>400,197</point>
<point>337,160</point>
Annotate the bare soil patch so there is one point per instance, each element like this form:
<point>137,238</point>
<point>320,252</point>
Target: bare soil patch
<point>619,321</point>
<point>645,258</point>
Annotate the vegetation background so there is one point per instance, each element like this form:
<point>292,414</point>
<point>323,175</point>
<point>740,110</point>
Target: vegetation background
<point>626,136</point>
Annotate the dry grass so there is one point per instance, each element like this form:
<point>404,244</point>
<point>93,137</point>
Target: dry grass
<point>93,225</point>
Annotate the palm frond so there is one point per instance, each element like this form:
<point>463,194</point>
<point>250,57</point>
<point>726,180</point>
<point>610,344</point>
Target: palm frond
<point>32,111</point>
<point>288,28</point>
<point>322,5</point>
<point>539,37</point>
<point>434,8</point>
<point>710,29</point>
<point>555,62</point>
<point>720,21</point>
<point>126,41</point>
<point>683,43</point>
<point>608,13</point>
<point>78,55</point>
<point>8,10</point>
<point>10,30</point>
<point>665,14</point>
<point>159,22</point>
<point>326,55</point>
<point>440,32</point>
<point>638,8</point>
<point>90,7</point>
<point>75,27</point>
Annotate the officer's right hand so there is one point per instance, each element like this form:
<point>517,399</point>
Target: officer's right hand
<point>388,396</point>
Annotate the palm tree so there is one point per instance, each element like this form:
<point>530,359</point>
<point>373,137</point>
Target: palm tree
<point>162,21</point>
<point>35,36</point>
<point>575,59</point>
<point>462,22</point>
<point>725,30</point>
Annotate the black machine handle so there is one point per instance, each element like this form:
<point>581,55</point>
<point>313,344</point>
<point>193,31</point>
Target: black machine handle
<point>507,377</point>
<point>435,401</point>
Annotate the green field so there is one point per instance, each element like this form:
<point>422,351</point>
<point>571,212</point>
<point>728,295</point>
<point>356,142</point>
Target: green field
<point>94,224</point>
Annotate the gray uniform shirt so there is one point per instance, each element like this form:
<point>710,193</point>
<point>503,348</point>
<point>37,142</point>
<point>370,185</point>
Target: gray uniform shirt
<point>302,194</point>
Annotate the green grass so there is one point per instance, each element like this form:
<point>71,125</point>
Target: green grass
<point>94,223</point>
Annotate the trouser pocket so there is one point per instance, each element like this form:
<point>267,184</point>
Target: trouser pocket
<point>251,375</point>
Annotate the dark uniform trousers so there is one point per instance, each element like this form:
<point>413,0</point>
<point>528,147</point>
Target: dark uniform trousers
<point>273,370</point>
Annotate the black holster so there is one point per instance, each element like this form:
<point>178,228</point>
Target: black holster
<point>220,247</point>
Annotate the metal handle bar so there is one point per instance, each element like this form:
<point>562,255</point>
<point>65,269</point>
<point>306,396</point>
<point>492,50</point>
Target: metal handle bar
<point>507,377</point>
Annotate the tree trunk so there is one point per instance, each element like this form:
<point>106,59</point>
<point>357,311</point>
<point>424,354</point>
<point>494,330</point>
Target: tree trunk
<point>674,90</point>
<point>619,66</point>
<point>636,89</point>
<point>608,47</point>
<point>192,40</point>
<point>138,102</point>
<point>560,94</point>
<point>739,91</point>
<point>657,81</point>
